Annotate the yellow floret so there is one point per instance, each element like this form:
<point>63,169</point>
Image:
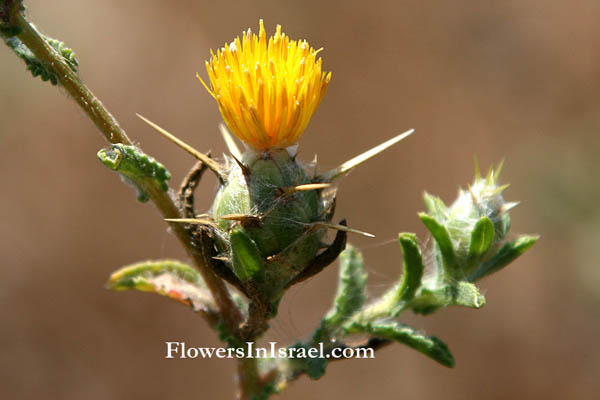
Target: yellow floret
<point>267,90</point>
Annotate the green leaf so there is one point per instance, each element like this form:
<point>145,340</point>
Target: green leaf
<point>352,281</point>
<point>481,238</point>
<point>246,257</point>
<point>314,367</point>
<point>507,254</point>
<point>413,266</point>
<point>135,166</point>
<point>267,390</point>
<point>442,238</point>
<point>67,54</point>
<point>457,294</point>
<point>37,68</point>
<point>169,278</point>
<point>428,345</point>
<point>351,288</point>
<point>435,206</point>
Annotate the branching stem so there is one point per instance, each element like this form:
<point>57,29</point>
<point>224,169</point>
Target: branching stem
<point>113,133</point>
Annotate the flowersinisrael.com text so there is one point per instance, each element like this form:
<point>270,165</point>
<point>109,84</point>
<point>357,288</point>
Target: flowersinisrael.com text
<point>181,350</point>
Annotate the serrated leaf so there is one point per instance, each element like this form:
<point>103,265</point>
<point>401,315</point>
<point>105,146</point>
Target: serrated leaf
<point>67,54</point>
<point>413,266</point>
<point>246,257</point>
<point>351,288</point>
<point>442,239</point>
<point>462,294</point>
<point>134,165</point>
<point>428,345</point>
<point>481,238</point>
<point>507,254</point>
<point>38,68</point>
<point>169,278</point>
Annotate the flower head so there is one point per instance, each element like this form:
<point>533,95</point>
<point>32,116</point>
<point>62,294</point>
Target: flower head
<point>267,89</point>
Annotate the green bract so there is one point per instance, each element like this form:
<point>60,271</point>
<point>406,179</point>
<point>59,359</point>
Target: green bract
<point>472,229</point>
<point>269,231</point>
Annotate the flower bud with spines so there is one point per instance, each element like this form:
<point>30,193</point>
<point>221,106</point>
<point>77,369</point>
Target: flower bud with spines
<point>472,229</point>
<point>267,89</point>
<point>269,234</point>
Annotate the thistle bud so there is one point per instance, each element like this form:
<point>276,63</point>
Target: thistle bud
<point>267,89</point>
<point>472,229</point>
<point>268,229</point>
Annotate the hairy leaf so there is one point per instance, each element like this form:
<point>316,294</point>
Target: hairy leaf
<point>428,345</point>
<point>246,257</point>
<point>37,68</point>
<point>457,294</point>
<point>350,293</point>
<point>435,206</point>
<point>507,254</point>
<point>442,239</point>
<point>134,166</point>
<point>413,266</point>
<point>169,278</point>
<point>481,238</point>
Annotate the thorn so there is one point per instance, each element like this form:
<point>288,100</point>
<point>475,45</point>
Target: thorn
<point>477,170</point>
<point>502,188</point>
<point>343,228</point>
<point>195,221</point>
<point>240,217</point>
<point>474,197</point>
<point>245,169</point>
<point>330,208</point>
<point>350,164</point>
<point>292,151</point>
<point>508,206</point>
<point>210,163</point>
<point>300,188</point>
<point>489,178</point>
<point>203,216</point>
<point>226,259</point>
<point>230,142</point>
<point>498,170</point>
<point>314,162</point>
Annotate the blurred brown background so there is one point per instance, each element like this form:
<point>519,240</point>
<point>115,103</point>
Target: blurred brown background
<point>513,79</point>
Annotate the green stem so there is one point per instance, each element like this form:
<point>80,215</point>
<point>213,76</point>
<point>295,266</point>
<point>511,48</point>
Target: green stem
<point>111,130</point>
<point>249,381</point>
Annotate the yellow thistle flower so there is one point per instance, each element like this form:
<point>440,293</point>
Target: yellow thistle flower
<point>266,90</point>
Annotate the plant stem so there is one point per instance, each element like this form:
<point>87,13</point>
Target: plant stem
<point>69,79</point>
<point>249,382</point>
<point>113,133</point>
